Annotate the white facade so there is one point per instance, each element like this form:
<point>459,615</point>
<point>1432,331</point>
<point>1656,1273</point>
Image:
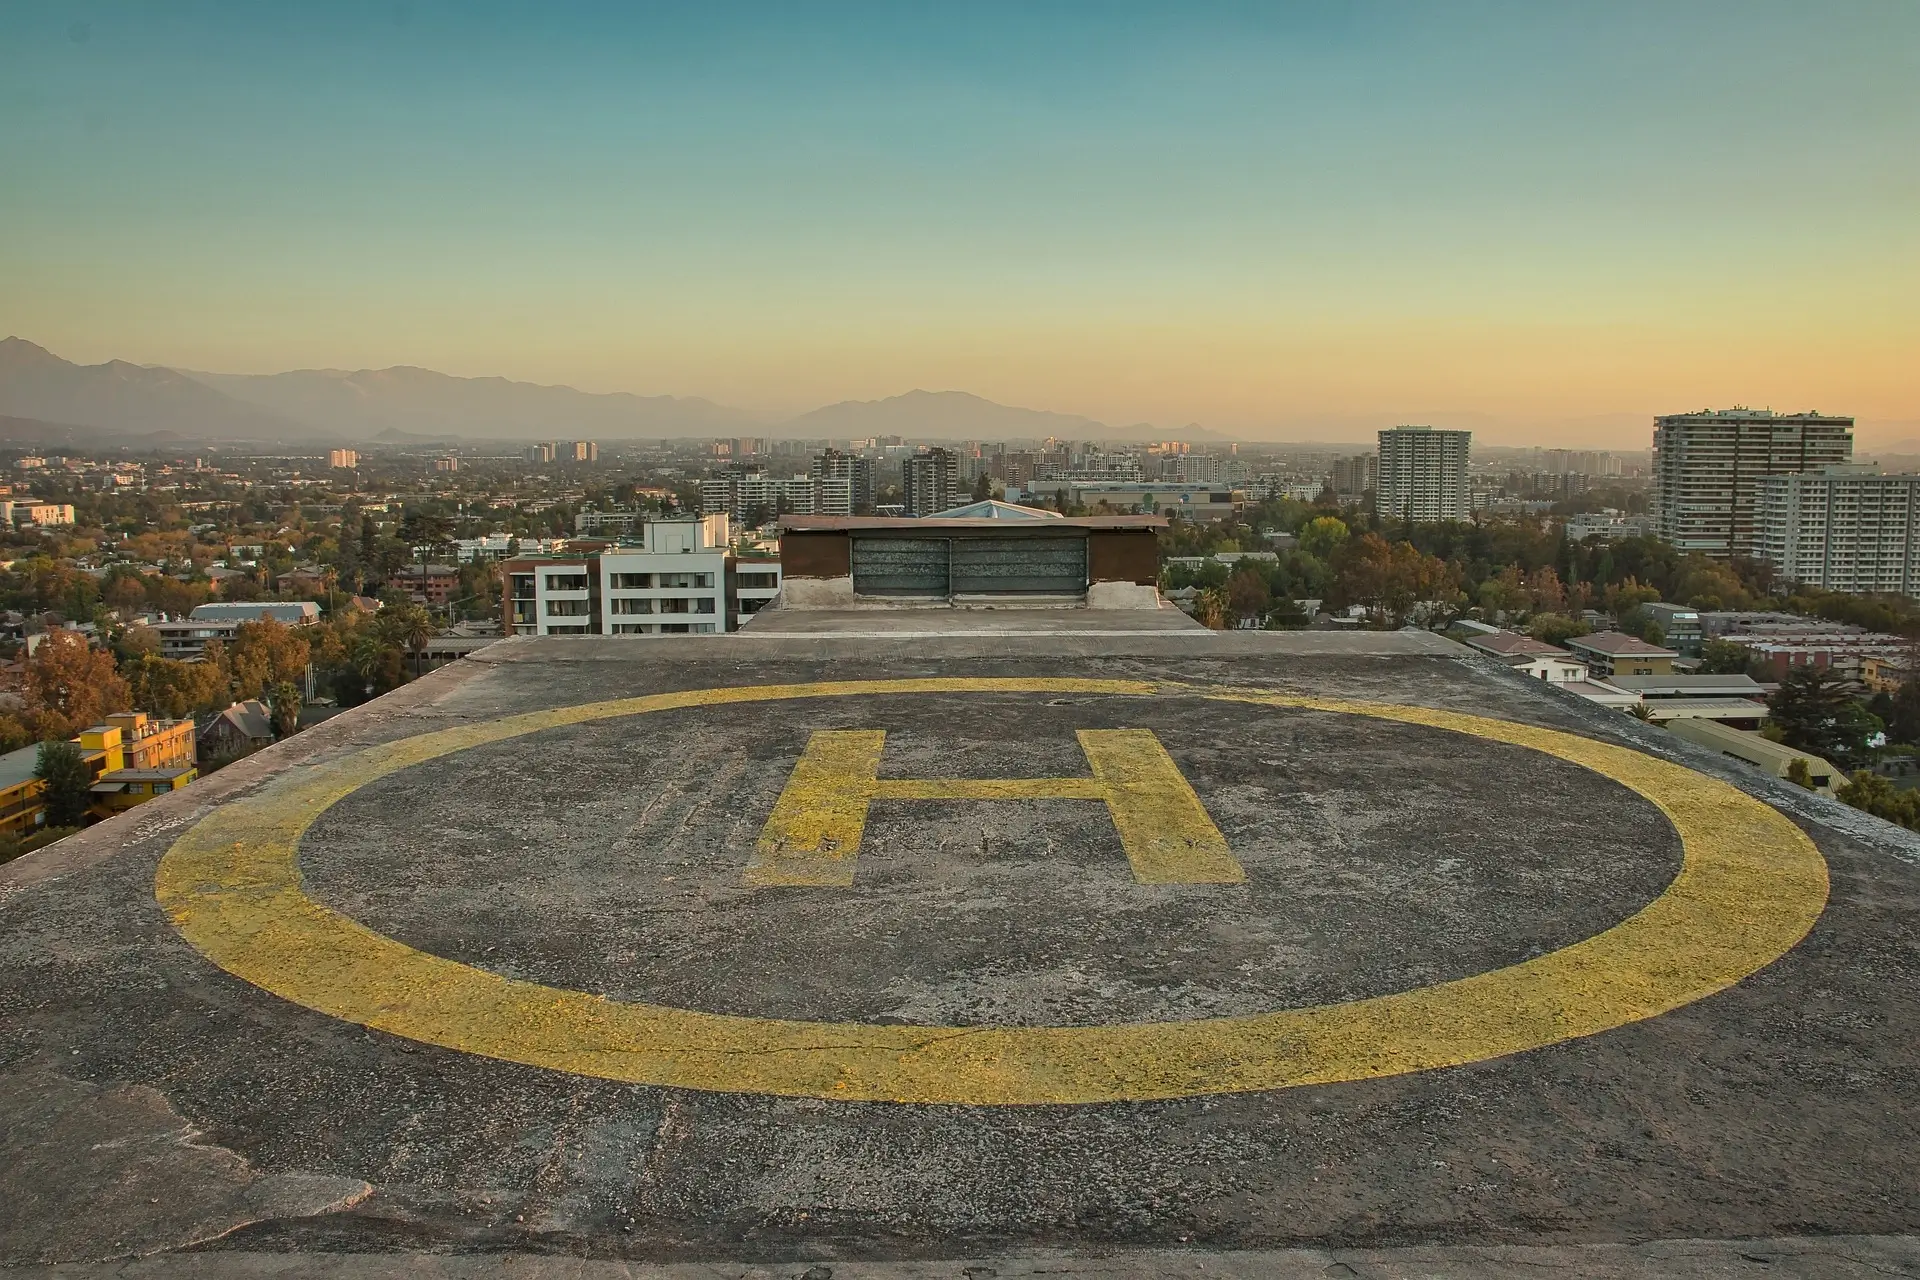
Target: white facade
<point>1843,528</point>
<point>739,495</point>
<point>645,593</point>
<point>755,584</point>
<point>675,583</point>
<point>1422,474</point>
<point>1708,469</point>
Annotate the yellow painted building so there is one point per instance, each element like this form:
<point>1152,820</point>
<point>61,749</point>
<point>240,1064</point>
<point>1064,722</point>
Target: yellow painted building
<point>130,759</point>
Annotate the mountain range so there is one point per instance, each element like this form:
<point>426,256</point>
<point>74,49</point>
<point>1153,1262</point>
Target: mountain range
<point>130,403</point>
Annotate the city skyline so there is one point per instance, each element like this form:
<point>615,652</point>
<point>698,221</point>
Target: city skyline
<point>1545,227</point>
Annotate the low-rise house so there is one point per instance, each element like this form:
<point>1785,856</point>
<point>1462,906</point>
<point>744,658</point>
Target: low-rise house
<point>1611,653</point>
<point>1883,673</point>
<point>1533,658</point>
<point>241,729</point>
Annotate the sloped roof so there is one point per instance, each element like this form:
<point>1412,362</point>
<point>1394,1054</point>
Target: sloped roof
<point>1509,644</point>
<point>253,719</point>
<point>1619,644</point>
<point>254,610</point>
<point>994,509</point>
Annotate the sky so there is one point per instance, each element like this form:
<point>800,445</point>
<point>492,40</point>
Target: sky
<point>1277,220</point>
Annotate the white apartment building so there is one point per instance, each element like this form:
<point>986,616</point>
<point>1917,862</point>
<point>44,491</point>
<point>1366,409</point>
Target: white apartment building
<point>682,580</point>
<point>1422,474</point>
<point>1708,468</point>
<point>744,495</point>
<point>1842,528</point>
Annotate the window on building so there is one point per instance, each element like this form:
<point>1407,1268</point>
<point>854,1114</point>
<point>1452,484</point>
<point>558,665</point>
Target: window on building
<point>758,581</point>
<point>567,608</point>
<point>685,580</point>
<point>566,582</point>
<point>676,604</point>
<point>632,629</point>
<point>703,628</point>
<point>566,631</point>
<point>631,606</point>
<point>675,628</point>
<point>632,581</point>
<point>522,586</point>
<point>703,605</point>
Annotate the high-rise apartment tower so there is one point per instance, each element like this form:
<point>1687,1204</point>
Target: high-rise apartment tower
<point>1422,474</point>
<point>1708,467</point>
<point>857,471</point>
<point>1843,528</point>
<point>930,482</point>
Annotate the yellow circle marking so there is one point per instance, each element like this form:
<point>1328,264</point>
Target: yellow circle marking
<point>1750,886</point>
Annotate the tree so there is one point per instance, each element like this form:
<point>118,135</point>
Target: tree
<point>173,690</point>
<point>283,699</point>
<point>62,766</point>
<point>1871,793</point>
<point>983,487</point>
<point>68,684</point>
<point>1556,628</point>
<point>1324,535</point>
<point>125,593</point>
<point>1624,597</point>
<point>1212,609</point>
<point>1390,579</point>
<point>265,653</point>
<point>1903,715</point>
<point>1723,658</point>
<point>1816,712</point>
<point>1248,594</point>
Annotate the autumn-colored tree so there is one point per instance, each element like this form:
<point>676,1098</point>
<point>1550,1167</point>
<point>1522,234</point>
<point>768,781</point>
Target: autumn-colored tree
<point>67,684</point>
<point>139,641</point>
<point>1248,595</point>
<point>126,593</point>
<point>1390,579</point>
<point>176,598</point>
<point>1624,597</point>
<point>1211,609</point>
<point>1544,592</point>
<point>1705,584</point>
<point>173,689</point>
<point>265,653</point>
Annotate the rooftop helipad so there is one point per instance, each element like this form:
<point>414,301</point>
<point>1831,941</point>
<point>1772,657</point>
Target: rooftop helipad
<point>919,940</point>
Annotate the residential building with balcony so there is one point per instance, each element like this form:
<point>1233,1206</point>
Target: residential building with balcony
<point>1708,469</point>
<point>1612,653</point>
<point>1842,528</point>
<point>683,579</point>
<point>1422,474</point>
<point>929,482</point>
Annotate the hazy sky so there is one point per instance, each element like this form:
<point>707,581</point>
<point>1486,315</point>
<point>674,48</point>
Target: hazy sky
<point>1263,217</point>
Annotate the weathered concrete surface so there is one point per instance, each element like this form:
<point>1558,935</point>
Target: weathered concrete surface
<point>1789,1258</point>
<point>606,857</point>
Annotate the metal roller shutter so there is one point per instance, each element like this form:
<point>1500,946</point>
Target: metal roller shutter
<point>1020,566</point>
<point>900,566</point>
